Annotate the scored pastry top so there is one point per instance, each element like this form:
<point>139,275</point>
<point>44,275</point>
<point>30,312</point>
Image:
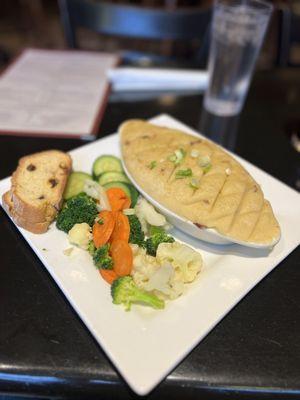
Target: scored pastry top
<point>198,180</point>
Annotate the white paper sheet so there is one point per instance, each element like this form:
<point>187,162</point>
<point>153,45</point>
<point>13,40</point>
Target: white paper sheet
<point>54,92</point>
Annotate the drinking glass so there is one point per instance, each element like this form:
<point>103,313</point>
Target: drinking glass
<point>237,32</point>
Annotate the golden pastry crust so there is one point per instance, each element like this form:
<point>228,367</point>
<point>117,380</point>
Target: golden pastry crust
<point>227,198</point>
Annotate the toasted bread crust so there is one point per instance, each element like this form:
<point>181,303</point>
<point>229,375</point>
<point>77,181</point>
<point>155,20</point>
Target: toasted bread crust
<point>39,227</point>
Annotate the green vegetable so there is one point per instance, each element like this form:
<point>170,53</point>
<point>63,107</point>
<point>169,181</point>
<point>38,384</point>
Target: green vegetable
<point>78,209</point>
<point>156,229</point>
<point>178,156</point>
<point>91,248</point>
<point>152,164</point>
<point>112,176</point>
<point>102,259</point>
<point>136,233</point>
<point>206,168</point>
<point>124,291</point>
<point>204,160</point>
<point>183,173</point>
<point>106,163</point>
<point>205,163</point>
<point>75,184</point>
<point>154,241</point>
<point>194,184</point>
<point>134,194</point>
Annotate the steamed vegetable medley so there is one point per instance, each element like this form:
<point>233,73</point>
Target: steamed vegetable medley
<point>127,238</point>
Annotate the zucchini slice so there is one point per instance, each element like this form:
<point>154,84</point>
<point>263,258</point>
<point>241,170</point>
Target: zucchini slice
<point>121,185</point>
<point>75,184</point>
<point>112,177</point>
<point>134,194</point>
<point>106,163</point>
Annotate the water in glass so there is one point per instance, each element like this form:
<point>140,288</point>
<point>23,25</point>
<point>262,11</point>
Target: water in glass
<point>237,35</point>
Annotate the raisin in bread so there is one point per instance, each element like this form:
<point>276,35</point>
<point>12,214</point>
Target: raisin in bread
<point>37,188</point>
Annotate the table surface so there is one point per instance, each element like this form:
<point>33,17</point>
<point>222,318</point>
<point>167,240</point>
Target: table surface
<point>254,352</point>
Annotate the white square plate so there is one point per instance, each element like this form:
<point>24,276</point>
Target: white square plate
<point>144,344</point>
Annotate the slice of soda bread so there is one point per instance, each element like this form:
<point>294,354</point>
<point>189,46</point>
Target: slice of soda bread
<point>38,227</point>
<point>37,189</point>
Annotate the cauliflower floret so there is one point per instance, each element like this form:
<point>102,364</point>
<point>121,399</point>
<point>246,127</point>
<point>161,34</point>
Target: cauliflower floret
<point>80,235</point>
<point>149,275</point>
<point>147,215</point>
<point>135,248</point>
<point>143,266</point>
<point>166,274</point>
<point>97,192</point>
<point>186,261</point>
<point>160,279</point>
<point>163,281</point>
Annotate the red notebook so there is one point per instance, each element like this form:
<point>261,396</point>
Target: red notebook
<point>55,93</point>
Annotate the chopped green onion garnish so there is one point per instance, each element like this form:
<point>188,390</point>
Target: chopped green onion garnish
<point>100,221</point>
<point>206,168</point>
<point>183,173</point>
<point>195,153</point>
<point>204,161</point>
<point>178,156</point>
<point>180,153</point>
<point>194,184</point>
<point>152,164</point>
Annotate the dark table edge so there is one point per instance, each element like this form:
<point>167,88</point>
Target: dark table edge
<point>44,386</point>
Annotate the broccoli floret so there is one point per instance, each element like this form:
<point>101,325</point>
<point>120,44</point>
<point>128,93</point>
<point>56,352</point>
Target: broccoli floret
<point>102,259</point>
<point>153,242</point>
<point>91,248</point>
<point>153,230</point>
<point>78,209</point>
<point>137,235</point>
<point>124,291</point>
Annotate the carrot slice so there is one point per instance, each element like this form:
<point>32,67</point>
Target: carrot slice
<point>122,228</point>
<point>122,256</point>
<point>117,199</point>
<point>108,275</point>
<point>103,231</point>
<point>127,203</point>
